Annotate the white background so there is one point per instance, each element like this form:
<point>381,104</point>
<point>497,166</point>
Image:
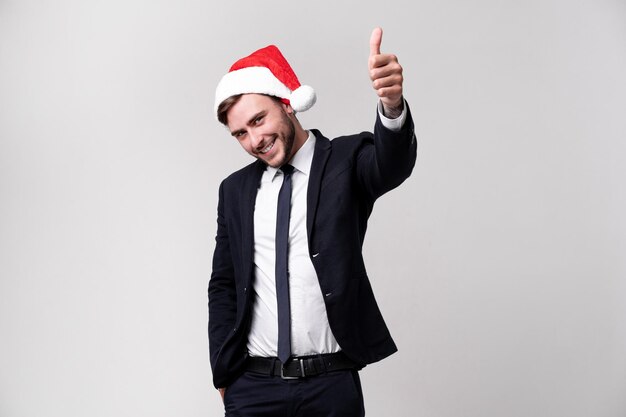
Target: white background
<point>499,265</point>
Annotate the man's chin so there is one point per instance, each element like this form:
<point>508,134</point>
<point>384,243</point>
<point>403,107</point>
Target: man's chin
<point>274,162</point>
<point>275,165</point>
<point>278,156</point>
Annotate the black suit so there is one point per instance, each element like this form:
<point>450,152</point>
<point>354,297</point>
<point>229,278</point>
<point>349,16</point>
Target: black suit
<point>347,175</point>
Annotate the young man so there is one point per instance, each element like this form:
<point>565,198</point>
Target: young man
<point>292,315</point>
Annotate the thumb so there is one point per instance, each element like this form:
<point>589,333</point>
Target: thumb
<point>375,40</point>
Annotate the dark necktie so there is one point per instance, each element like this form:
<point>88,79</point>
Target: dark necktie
<point>282,275</point>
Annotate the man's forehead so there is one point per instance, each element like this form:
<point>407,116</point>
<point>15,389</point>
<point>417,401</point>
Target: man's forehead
<point>246,109</point>
<point>257,98</point>
<point>249,104</point>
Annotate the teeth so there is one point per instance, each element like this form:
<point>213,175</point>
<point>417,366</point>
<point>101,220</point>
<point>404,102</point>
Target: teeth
<point>267,149</point>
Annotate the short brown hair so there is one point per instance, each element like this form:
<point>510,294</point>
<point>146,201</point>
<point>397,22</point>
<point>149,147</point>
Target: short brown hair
<point>224,106</point>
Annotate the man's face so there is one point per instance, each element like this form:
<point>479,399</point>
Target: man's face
<point>263,128</point>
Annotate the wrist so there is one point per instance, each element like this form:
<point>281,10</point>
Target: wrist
<point>393,111</point>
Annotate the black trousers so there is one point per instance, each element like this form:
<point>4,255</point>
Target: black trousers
<point>332,394</point>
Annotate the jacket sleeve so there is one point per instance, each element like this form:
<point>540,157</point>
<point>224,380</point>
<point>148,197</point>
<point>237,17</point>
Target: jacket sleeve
<point>389,160</point>
<point>222,290</point>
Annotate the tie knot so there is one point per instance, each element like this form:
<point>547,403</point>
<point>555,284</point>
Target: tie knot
<point>287,169</point>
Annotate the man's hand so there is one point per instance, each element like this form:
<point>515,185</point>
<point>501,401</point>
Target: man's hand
<point>386,75</point>
<point>222,391</point>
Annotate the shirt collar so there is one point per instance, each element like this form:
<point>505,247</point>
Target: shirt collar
<point>301,161</point>
<point>304,157</point>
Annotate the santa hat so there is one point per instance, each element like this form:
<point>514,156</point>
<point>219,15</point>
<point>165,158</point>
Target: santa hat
<point>265,71</point>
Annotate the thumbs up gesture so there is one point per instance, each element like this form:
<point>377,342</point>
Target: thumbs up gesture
<point>386,75</point>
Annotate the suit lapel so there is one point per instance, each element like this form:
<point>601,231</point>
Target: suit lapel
<point>320,157</point>
<point>248,198</point>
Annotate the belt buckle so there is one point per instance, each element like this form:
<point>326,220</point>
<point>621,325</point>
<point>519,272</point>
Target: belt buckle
<point>302,374</point>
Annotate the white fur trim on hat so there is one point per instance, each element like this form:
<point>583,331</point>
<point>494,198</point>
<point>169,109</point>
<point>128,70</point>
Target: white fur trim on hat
<point>259,80</point>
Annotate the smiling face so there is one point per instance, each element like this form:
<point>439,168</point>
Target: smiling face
<point>266,128</point>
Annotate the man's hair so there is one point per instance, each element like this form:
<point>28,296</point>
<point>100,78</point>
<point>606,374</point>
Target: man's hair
<point>222,109</point>
<point>225,105</point>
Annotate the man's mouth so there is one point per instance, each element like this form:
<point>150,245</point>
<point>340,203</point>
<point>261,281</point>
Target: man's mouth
<point>268,148</point>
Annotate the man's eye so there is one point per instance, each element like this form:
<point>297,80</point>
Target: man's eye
<point>258,120</point>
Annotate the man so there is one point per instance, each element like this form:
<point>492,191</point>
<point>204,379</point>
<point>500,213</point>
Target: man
<point>292,315</point>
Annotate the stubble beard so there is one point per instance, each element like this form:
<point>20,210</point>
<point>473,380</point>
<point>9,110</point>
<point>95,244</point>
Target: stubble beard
<point>287,139</point>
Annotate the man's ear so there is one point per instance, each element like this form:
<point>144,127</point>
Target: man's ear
<point>288,109</point>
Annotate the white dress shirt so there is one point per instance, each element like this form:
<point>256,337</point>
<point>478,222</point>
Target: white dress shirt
<point>310,331</point>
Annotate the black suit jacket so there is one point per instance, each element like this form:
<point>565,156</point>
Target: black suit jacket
<point>347,175</point>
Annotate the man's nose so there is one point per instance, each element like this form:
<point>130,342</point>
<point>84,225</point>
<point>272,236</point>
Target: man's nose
<point>257,140</point>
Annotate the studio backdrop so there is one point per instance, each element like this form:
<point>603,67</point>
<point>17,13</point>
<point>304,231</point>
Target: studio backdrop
<point>499,265</point>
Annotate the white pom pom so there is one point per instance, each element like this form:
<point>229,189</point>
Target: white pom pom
<point>302,98</point>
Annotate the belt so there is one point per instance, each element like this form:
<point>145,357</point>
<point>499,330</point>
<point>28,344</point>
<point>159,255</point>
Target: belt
<point>301,366</point>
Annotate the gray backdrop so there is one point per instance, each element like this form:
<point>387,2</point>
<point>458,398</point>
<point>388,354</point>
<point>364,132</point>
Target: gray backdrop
<point>499,265</point>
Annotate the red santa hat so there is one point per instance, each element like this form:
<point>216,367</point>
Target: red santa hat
<point>265,71</point>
